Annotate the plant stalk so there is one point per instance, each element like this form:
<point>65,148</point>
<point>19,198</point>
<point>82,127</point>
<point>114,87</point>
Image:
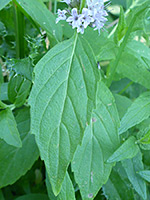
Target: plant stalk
<point>19,28</point>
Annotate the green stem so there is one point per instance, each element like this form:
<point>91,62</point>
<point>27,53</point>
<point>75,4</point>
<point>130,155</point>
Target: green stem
<point>2,105</point>
<point>55,7</point>
<point>19,28</point>
<point>112,70</point>
<point>82,5</point>
<point>126,87</point>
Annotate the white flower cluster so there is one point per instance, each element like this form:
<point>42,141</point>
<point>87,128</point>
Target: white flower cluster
<point>93,15</point>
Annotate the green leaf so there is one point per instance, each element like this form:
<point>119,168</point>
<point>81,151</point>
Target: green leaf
<point>134,63</point>
<point>147,22</point>
<point>23,67</point>
<point>99,142</point>
<point>128,149</point>
<point>131,25</point>
<point>18,90</point>
<point>62,100</point>
<point>121,27</point>
<point>8,131</point>
<point>4,92</point>
<point>67,190</point>
<point>19,160</point>
<point>33,197</point>
<point>143,137</point>
<point>146,138</point>
<point>132,166</point>
<point>4,3</point>
<point>118,186</point>
<point>145,174</point>
<point>137,112</point>
<point>42,16</point>
<point>122,103</point>
<point>104,48</point>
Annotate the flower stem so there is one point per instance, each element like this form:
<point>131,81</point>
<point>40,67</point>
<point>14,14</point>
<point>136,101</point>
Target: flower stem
<point>55,6</point>
<point>82,5</point>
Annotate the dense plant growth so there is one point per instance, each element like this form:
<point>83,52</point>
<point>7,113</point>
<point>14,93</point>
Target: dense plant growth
<point>74,100</point>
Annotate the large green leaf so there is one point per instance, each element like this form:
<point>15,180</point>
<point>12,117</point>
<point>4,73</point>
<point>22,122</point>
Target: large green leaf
<point>8,131</point>
<point>67,190</point>
<point>137,112</point>
<point>3,3</point>
<point>62,100</point>
<point>118,186</point>
<point>42,16</point>
<point>33,197</point>
<point>132,166</point>
<point>127,150</point>
<point>15,162</point>
<point>99,142</point>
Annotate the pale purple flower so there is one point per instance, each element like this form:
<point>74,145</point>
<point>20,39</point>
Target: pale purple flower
<point>86,18</point>
<point>61,15</point>
<point>66,1</point>
<point>80,29</point>
<point>75,18</point>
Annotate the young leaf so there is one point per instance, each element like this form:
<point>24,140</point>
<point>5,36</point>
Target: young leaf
<point>23,67</point>
<point>8,131</point>
<point>118,186</point>
<point>33,197</point>
<point>18,90</point>
<point>42,16</point>
<point>15,162</point>
<point>67,190</point>
<point>132,166</point>
<point>62,100</point>
<point>99,142</point>
<point>128,149</point>
<point>137,112</point>
<point>4,3</point>
<point>121,28</point>
<point>145,174</point>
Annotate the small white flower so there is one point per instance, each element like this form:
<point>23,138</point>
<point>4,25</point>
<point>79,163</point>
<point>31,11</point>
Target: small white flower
<point>61,15</point>
<point>86,18</point>
<point>75,18</point>
<point>80,29</point>
<point>66,1</point>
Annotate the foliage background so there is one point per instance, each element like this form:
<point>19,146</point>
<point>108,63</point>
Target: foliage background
<point>118,161</point>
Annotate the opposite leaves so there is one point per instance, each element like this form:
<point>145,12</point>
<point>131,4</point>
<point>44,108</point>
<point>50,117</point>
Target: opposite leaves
<point>62,100</point>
